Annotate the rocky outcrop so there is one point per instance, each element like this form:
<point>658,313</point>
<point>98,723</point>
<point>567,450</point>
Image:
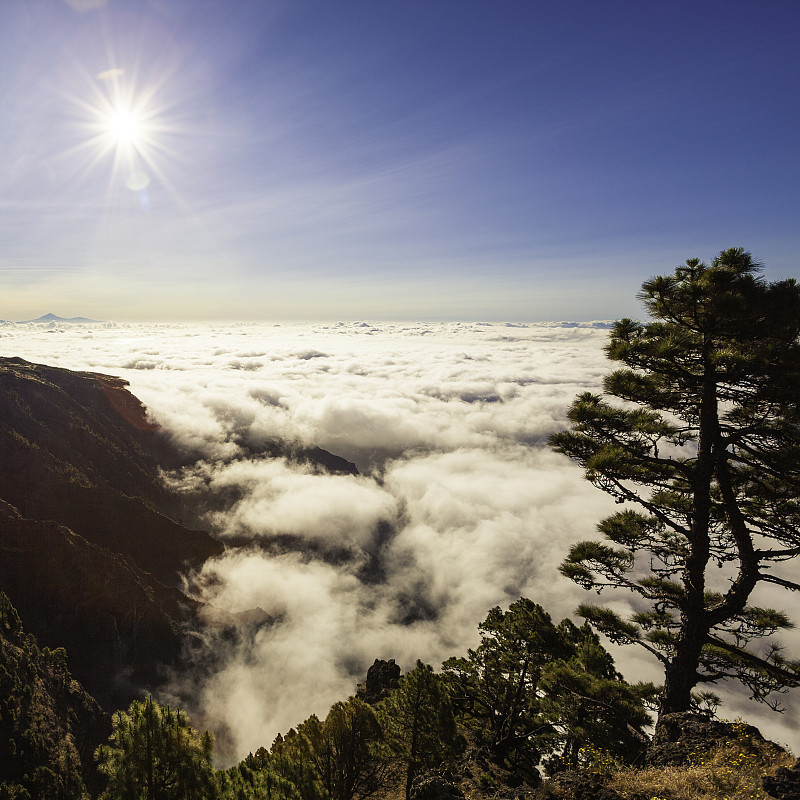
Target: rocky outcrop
<point>683,735</point>
<point>49,726</point>
<point>382,679</point>
<point>784,784</point>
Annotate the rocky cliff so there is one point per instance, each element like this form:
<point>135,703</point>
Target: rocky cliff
<point>92,545</point>
<point>78,448</point>
<point>89,553</point>
<point>121,627</point>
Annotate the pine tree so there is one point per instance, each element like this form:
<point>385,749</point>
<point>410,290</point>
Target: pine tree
<point>343,749</point>
<point>154,754</point>
<point>418,722</point>
<point>590,707</point>
<point>290,757</point>
<point>702,448</point>
<point>255,779</point>
<point>495,688</point>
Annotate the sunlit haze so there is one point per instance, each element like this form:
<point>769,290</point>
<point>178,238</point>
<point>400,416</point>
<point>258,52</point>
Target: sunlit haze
<point>455,160</point>
<point>396,230</point>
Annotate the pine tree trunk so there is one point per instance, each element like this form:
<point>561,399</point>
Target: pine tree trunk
<point>411,767</point>
<point>681,673</point>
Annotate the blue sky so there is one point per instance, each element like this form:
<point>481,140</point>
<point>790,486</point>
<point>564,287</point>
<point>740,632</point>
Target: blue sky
<point>445,159</point>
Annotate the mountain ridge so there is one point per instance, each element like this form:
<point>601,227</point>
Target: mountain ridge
<point>93,544</point>
<point>55,318</point>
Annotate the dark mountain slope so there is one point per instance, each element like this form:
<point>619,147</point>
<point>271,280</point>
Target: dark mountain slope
<point>121,628</point>
<point>90,549</point>
<point>77,447</point>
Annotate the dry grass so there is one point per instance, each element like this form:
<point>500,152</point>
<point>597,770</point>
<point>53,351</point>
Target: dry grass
<point>731,771</point>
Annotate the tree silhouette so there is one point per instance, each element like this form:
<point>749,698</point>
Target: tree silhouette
<point>702,448</point>
<point>533,689</point>
<point>590,707</point>
<point>343,749</point>
<point>495,688</point>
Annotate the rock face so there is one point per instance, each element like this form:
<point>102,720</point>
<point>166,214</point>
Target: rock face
<point>92,545</point>
<point>785,783</point>
<point>88,553</point>
<point>683,734</point>
<point>78,448</point>
<point>49,726</point>
<point>382,678</point>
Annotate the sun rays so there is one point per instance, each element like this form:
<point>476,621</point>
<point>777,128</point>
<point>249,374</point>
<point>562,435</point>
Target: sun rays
<point>123,127</point>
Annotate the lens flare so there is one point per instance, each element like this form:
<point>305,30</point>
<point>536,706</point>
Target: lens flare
<point>123,122</point>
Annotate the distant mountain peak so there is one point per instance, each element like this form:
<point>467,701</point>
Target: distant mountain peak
<point>56,318</point>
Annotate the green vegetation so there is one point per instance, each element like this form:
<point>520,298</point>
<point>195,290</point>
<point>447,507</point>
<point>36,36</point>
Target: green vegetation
<point>566,706</point>
<point>44,718</point>
<point>534,690</point>
<point>336,759</point>
<point>496,687</point>
<point>594,714</point>
<point>418,723</point>
<point>289,758</point>
<point>343,750</point>
<point>730,771</point>
<point>555,688</point>
<point>702,446</point>
<point>154,754</point>
<point>254,779</point>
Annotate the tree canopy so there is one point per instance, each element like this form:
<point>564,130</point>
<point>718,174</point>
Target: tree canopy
<point>533,689</point>
<point>343,750</point>
<point>495,687</point>
<point>698,438</point>
<point>336,759</point>
<point>589,707</point>
<point>418,722</point>
<point>154,754</point>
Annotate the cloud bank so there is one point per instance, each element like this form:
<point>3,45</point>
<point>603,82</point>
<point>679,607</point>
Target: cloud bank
<point>459,506</point>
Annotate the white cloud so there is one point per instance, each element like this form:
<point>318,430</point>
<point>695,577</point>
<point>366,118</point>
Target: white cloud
<point>460,506</point>
<point>340,510</point>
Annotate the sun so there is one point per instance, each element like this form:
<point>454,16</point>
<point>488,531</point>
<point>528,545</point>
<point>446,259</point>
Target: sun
<point>124,123</point>
<point>126,127</point>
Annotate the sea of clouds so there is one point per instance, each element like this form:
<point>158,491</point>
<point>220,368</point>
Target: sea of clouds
<point>459,505</point>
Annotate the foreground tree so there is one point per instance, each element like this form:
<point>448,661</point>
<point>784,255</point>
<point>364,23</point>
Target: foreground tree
<point>343,750</point>
<point>533,689</point>
<point>705,456</point>
<point>589,706</point>
<point>290,757</point>
<point>254,779</point>
<point>495,688</point>
<point>154,754</point>
<point>418,723</point>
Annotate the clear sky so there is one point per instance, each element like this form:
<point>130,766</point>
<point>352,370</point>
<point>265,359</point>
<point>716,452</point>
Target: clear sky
<point>388,159</point>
